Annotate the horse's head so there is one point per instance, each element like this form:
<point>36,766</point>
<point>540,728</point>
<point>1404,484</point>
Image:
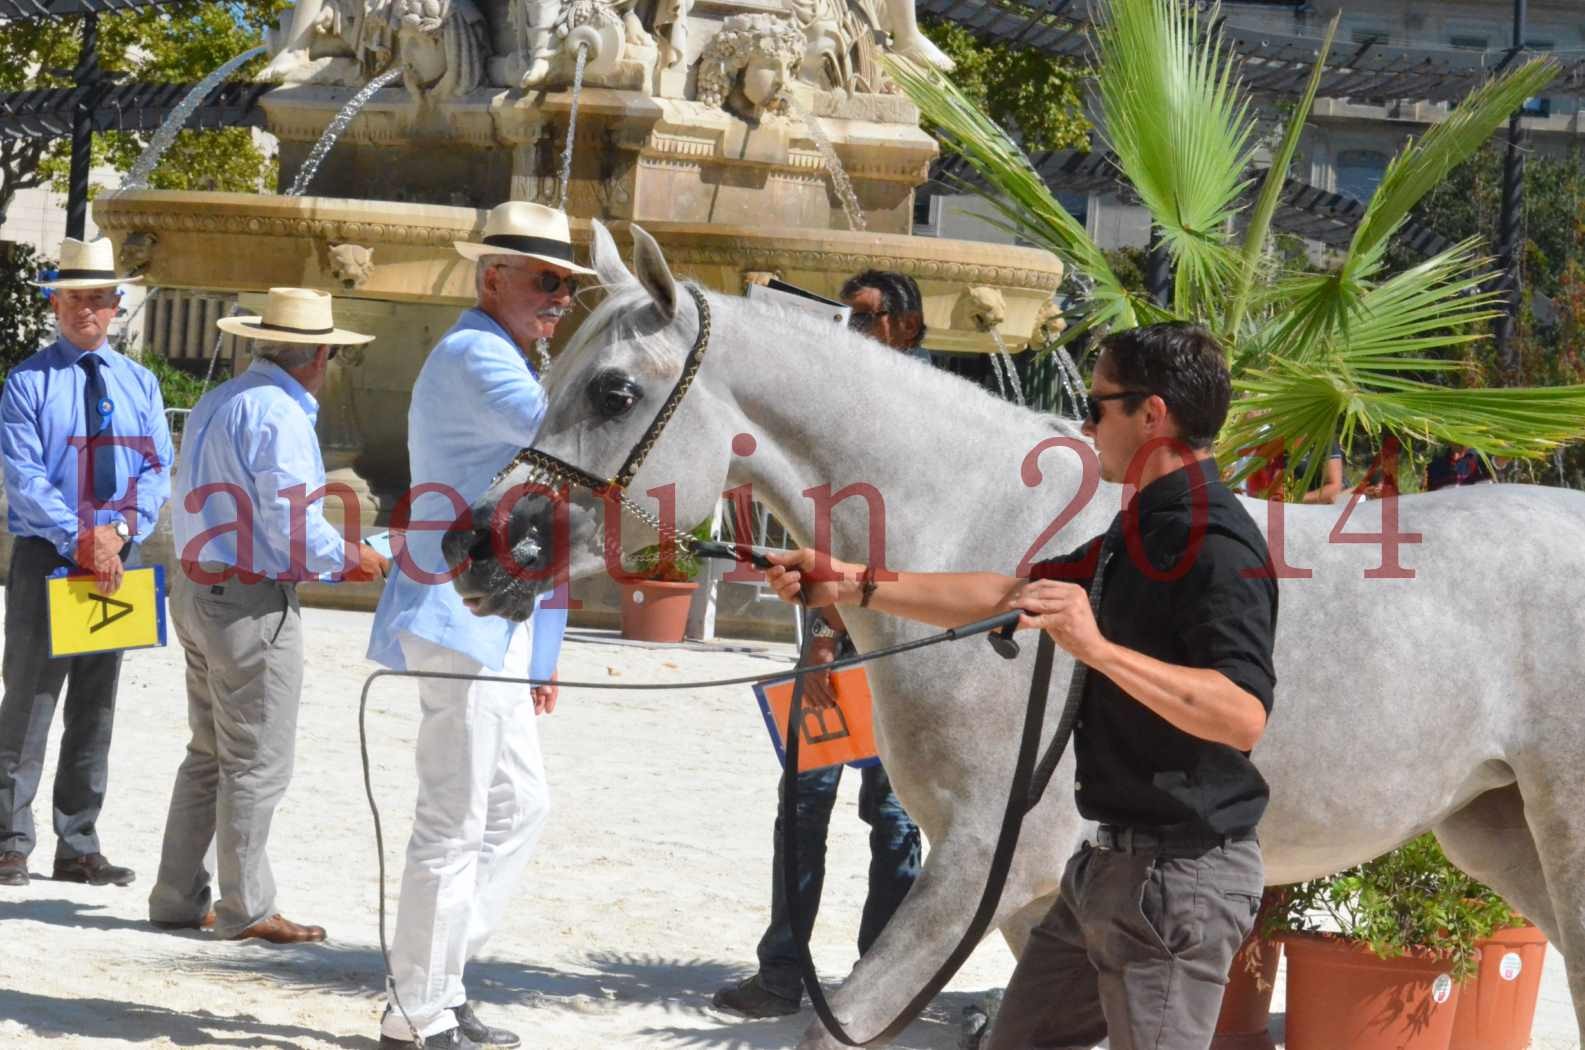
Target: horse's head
<point>606,390</point>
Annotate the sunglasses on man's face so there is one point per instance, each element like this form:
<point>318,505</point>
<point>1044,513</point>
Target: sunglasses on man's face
<point>549,281</point>
<point>1096,402</point>
<point>865,320</point>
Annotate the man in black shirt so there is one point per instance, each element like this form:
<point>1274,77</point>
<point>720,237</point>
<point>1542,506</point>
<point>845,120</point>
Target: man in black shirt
<point>1177,642</point>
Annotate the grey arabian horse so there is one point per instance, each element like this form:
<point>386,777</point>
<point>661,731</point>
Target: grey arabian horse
<point>1451,700</point>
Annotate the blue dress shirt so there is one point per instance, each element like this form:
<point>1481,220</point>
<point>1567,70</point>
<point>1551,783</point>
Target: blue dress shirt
<point>252,439</point>
<point>475,404</point>
<point>41,410</point>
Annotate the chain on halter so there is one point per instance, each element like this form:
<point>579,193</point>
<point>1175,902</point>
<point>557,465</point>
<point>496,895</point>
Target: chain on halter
<point>545,469</point>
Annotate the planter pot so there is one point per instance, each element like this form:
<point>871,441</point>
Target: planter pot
<point>1497,1008</point>
<point>1340,995</point>
<point>656,610</point>
<point>1246,1003</point>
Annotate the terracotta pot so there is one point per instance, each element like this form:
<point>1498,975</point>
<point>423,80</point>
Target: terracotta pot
<point>656,610</point>
<point>1246,1003</point>
<point>1497,1008</point>
<point>1340,995</point>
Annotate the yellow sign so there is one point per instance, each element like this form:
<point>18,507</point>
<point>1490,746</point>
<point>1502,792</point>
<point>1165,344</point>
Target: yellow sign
<point>84,620</point>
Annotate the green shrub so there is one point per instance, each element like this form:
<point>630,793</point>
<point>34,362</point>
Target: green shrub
<point>677,567</point>
<point>1412,898</point>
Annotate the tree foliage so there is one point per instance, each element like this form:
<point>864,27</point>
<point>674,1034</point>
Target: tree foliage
<point>174,43</point>
<point>1036,96</point>
<point>24,312</point>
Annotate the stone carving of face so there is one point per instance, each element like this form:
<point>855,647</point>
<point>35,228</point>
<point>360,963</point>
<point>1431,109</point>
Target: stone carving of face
<point>764,77</point>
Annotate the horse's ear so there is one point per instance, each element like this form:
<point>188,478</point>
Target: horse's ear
<point>607,260</point>
<point>649,266</point>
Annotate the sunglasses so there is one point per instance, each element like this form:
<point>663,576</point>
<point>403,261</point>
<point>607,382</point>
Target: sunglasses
<point>549,281</point>
<point>1096,402</point>
<point>864,320</point>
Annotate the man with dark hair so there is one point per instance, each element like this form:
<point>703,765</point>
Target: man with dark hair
<point>1172,635</point>
<point>887,307</point>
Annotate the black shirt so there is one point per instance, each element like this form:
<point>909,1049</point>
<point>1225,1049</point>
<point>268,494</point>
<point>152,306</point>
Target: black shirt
<point>1189,583</point>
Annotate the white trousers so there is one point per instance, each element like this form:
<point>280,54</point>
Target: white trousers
<point>482,802</point>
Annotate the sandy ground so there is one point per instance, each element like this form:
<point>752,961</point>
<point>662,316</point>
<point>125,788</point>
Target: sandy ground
<point>650,888</point>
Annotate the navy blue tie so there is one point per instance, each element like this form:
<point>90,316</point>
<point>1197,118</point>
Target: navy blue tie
<point>96,421</point>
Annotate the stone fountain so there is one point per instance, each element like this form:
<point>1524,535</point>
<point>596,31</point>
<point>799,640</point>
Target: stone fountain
<point>712,123</point>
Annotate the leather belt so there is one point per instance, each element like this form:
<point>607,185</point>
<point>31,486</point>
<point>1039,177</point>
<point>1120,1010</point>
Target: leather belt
<point>1155,840</point>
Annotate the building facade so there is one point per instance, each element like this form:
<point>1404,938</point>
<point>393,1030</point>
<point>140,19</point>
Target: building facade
<point>1348,143</point>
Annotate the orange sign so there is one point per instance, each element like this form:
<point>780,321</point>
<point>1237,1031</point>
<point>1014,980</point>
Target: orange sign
<point>833,736</point>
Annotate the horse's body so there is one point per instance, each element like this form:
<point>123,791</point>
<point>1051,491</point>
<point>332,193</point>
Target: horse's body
<point>1449,701</point>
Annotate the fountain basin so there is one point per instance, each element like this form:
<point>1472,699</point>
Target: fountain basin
<point>393,266</point>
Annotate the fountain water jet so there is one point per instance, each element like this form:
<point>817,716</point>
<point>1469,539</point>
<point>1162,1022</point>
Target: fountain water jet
<point>138,177</point>
<point>333,130</point>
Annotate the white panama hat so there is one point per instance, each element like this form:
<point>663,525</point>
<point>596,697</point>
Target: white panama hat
<point>524,228</point>
<point>294,315</point>
<point>87,264</point>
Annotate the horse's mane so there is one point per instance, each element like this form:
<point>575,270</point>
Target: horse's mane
<point>625,310</point>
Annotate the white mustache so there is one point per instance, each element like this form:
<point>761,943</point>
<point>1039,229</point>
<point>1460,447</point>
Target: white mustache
<point>554,312</point>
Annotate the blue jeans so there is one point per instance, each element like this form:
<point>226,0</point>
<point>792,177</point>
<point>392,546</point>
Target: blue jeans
<point>894,865</point>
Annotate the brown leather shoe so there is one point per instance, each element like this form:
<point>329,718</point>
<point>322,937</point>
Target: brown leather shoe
<point>278,929</point>
<point>93,868</point>
<point>13,868</point>
<point>207,922</point>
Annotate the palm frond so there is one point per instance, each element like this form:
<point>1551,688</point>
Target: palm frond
<point>1271,189</point>
<point>1423,164</point>
<point>1175,115</point>
<point>1022,198</point>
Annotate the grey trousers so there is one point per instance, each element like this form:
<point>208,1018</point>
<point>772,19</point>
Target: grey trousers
<point>1136,951</point>
<point>33,684</point>
<point>244,646</point>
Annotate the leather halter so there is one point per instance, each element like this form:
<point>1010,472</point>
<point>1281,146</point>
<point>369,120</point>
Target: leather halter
<point>543,467</point>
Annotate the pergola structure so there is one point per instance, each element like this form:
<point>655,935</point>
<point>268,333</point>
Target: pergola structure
<point>95,102</point>
<point>1279,65</point>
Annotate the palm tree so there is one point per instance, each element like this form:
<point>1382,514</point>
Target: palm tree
<point>1314,356</point>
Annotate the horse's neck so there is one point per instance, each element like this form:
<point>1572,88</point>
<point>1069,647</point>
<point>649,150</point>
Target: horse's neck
<point>943,457</point>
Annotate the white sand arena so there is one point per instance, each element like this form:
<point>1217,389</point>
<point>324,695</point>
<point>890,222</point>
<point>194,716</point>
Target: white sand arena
<point>650,888</point>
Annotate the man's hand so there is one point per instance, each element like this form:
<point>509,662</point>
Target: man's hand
<point>104,558</point>
<point>789,578</point>
<point>1063,611</point>
<point>817,686</point>
<point>545,696</point>
<point>372,565</point>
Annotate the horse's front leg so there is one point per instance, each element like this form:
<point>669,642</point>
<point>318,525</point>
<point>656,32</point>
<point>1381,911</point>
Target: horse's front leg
<point>924,930</point>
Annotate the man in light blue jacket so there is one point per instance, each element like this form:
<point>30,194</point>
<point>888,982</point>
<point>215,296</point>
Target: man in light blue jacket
<point>482,797</point>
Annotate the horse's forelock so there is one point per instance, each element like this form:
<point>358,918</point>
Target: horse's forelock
<point>625,317</point>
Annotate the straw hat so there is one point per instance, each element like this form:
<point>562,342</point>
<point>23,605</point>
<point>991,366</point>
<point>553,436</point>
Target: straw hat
<point>521,228</point>
<point>294,315</point>
<point>87,264</point>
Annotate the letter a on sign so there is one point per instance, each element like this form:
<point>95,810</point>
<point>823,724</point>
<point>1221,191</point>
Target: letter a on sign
<point>85,620</point>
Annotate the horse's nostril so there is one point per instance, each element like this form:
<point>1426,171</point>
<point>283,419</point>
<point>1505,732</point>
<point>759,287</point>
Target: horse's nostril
<point>460,544</point>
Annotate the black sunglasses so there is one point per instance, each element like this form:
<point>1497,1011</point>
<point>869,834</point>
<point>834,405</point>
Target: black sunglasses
<point>1095,401</point>
<point>549,281</point>
<point>864,320</point>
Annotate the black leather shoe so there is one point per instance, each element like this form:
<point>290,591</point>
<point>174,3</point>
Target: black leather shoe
<point>451,1039</point>
<point>481,1033</point>
<point>751,998</point>
<point>13,868</point>
<point>92,868</point>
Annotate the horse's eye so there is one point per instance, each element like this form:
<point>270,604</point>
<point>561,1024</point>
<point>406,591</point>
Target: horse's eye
<point>613,394</point>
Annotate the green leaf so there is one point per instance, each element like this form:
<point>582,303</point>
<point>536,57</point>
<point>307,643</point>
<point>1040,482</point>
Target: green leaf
<point>1271,189</point>
<point>1423,164</point>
